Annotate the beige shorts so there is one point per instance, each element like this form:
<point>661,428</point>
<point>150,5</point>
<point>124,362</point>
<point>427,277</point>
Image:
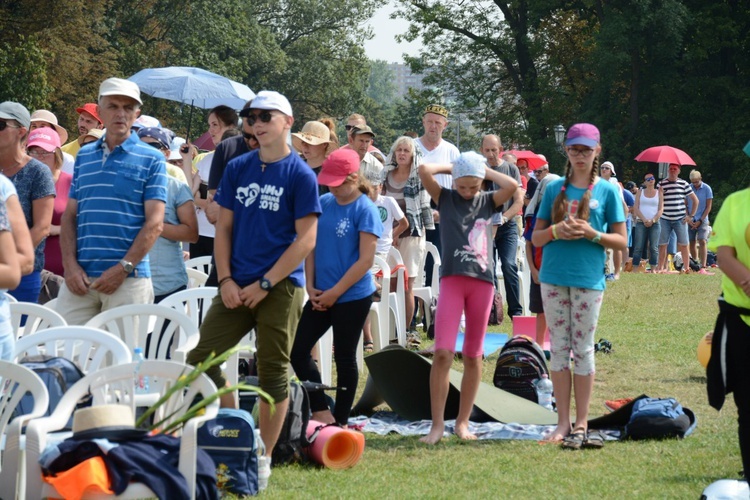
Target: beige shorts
<point>412,250</point>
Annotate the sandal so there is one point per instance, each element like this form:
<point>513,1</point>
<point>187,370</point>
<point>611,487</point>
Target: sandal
<point>367,347</point>
<point>594,439</point>
<point>575,439</point>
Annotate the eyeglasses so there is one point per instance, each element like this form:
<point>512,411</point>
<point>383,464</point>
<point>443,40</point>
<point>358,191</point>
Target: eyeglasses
<point>649,179</point>
<point>156,145</point>
<point>265,116</point>
<point>40,153</point>
<point>349,127</point>
<point>585,152</point>
<point>249,137</point>
<point>4,125</point>
<point>606,168</point>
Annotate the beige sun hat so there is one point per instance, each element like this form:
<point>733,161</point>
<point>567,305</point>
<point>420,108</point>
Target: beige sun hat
<point>105,421</point>
<point>313,133</point>
<point>42,115</point>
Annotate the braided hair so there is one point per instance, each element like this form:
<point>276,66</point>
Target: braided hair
<point>560,205</point>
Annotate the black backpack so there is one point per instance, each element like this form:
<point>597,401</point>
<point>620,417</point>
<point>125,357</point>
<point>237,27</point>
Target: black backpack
<point>58,374</point>
<point>293,437</point>
<point>519,365</point>
<point>658,418</point>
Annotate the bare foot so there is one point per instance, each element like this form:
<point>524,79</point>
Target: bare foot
<point>434,437</point>
<point>558,434</point>
<point>462,431</point>
<point>324,417</point>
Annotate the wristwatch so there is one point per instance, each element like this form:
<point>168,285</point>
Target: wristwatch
<point>127,266</point>
<point>265,284</point>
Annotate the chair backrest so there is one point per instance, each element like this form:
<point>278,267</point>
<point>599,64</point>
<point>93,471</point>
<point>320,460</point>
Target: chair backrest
<point>196,278</point>
<point>394,257</point>
<point>15,381</point>
<point>194,302</point>
<point>90,348</point>
<point>162,332</point>
<point>36,317</point>
<point>436,263</point>
<point>115,383</point>
<point>10,298</point>
<point>202,264</point>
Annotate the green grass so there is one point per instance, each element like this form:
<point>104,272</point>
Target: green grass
<point>654,323</point>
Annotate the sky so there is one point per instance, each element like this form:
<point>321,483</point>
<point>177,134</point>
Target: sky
<point>383,46</point>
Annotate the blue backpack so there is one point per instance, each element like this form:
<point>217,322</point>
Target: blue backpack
<point>230,441</point>
<point>58,374</point>
<point>656,418</point>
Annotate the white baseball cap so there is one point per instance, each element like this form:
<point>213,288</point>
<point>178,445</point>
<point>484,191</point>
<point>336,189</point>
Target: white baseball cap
<point>118,86</point>
<point>271,101</point>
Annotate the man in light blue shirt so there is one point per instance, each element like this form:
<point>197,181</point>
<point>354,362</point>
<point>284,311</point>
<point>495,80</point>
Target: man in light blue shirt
<point>698,227</point>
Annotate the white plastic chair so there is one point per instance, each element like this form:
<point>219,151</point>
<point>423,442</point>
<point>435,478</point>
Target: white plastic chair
<point>15,381</point>
<point>524,277</point>
<point>173,334</point>
<point>193,302</point>
<point>380,313</point>
<point>196,279</point>
<point>10,298</point>
<point>114,385</point>
<point>428,291</point>
<point>90,348</point>
<point>38,317</point>
<point>202,264</point>
<point>397,299</point>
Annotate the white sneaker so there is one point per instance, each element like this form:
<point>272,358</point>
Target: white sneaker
<point>264,472</point>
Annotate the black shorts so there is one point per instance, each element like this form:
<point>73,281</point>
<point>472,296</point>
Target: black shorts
<point>535,298</point>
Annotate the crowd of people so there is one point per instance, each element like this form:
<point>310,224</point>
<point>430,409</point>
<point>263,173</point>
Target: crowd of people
<point>294,222</point>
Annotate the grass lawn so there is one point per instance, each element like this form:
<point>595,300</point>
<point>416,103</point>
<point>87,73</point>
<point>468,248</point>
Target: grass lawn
<point>654,323</point>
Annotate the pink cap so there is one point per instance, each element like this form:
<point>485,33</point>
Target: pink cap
<point>45,137</point>
<point>338,166</point>
<point>584,134</point>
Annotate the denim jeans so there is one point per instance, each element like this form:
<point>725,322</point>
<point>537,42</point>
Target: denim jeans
<point>640,236</point>
<point>506,246</point>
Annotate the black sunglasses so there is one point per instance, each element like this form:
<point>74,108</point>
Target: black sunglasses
<point>248,137</point>
<point>4,125</point>
<point>349,127</point>
<point>156,145</point>
<point>265,116</point>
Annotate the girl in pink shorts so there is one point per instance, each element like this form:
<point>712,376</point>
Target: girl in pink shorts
<point>466,278</point>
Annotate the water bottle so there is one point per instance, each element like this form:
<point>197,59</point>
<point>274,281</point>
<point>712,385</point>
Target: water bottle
<point>264,472</point>
<point>544,392</point>
<point>141,381</point>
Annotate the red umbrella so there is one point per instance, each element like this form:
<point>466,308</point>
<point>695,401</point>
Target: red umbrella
<point>204,142</point>
<point>665,154</point>
<point>534,160</point>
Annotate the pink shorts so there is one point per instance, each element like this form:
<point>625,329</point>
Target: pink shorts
<point>462,294</point>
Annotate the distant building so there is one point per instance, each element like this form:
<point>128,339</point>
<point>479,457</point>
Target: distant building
<point>404,79</point>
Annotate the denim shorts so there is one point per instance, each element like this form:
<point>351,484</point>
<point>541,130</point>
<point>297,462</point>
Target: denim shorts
<point>680,229</point>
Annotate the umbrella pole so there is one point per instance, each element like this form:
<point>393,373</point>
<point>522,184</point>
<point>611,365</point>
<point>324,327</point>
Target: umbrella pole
<point>190,120</point>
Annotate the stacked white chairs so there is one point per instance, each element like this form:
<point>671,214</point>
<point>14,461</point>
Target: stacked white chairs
<point>38,317</point>
<point>426,292</point>
<point>196,279</point>
<point>15,381</point>
<point>380,313</point>
<point>90,348</point>
<point>524,277</point>
<point>397,299</point>
<point>114,385</point>
<point>193,302</point>
<point>162,332</point>
<point>202,264</point>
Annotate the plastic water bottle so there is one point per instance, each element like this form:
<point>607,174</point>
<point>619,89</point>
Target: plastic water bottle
<point>141,381</point>
<point>544,392</point>
<point>264,472</point>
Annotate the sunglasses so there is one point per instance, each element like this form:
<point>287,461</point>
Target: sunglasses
<point>4,125</point>
<point>649,179</point>
<point>249,137</point>
<point>156,145</point>
<point>349,127</point>
<point>265,116</point>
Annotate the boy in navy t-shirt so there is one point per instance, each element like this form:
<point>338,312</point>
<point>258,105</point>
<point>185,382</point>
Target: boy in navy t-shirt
<point>266,227</point>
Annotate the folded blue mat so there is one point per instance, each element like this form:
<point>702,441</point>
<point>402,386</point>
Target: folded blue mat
<point>492,342</point>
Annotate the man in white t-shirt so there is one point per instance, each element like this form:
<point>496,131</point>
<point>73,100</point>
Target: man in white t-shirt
<point>436,150</point>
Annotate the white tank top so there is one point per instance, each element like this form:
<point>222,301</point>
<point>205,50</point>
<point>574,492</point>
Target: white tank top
<point>649,206</point>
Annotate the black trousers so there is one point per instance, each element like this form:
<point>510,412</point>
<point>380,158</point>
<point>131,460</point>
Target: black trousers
<point>738,366</point>
<point>347,320</point>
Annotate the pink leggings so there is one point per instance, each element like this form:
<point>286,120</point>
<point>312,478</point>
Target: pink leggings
<point>459,294</point>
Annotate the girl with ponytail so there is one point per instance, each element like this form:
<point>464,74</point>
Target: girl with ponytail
<point>579,216</point>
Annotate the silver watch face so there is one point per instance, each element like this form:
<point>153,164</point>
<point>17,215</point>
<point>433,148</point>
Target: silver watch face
<point>265,284</point>
<point>127,266</point>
